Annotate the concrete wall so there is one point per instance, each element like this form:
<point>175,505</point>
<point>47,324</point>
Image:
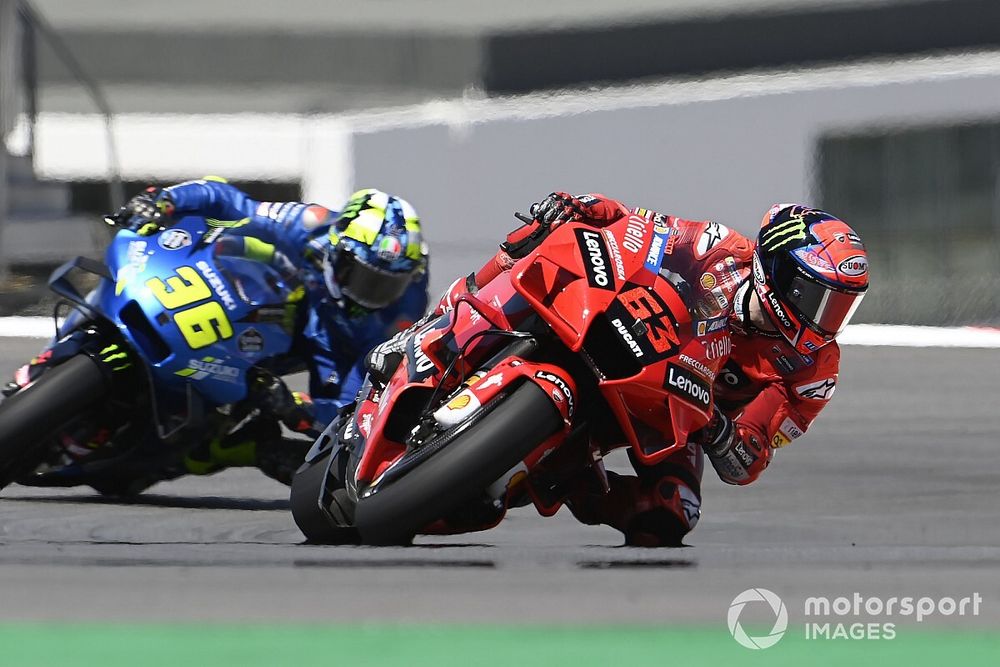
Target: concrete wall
<point>723,149</point>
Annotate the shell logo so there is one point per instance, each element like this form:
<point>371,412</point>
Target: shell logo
<point>459,402</point>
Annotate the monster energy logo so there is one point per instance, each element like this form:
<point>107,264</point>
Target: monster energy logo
<point>112,355</point>
<point>353,207</point>
<point>785,233</point>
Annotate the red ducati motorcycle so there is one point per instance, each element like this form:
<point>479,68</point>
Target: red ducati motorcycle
<point>588,344</point>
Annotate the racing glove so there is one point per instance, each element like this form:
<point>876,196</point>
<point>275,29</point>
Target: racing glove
<point>383,359</point>
<point>146,213</point>
<point>547,214</point>
<point>737,458</point>
<point>562,207</point>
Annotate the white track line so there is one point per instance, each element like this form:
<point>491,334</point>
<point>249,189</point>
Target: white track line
<point>27,327</point>
<point>857,334</point>
<point>911,336</point>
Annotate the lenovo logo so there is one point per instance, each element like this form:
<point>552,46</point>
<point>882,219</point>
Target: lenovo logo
<point>596,254</point>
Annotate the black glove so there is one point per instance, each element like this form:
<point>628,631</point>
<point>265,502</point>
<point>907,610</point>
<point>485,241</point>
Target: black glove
<point>146,213</point>
<point>558,207</point>
<point>735,459</point>
<point>717,436</point>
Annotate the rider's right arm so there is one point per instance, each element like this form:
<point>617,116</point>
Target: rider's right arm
<point>211,197</point>
<point>597,210</point>
<point>290,226</point>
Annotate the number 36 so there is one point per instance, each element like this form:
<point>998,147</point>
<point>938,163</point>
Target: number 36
<point>202,325</point>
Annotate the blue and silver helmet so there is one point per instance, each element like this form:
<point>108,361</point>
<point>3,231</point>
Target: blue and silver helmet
<point>376,250</point>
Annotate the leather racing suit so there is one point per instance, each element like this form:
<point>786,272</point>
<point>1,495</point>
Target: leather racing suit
<point>771,393</point>
<point>330,337</point>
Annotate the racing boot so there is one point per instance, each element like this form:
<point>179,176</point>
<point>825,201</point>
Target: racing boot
<point>237,449</point>
<point>649,514</point>
<point>259,444</point>
<point>478,514</point>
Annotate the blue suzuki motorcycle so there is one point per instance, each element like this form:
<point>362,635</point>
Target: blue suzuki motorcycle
<point>175,345</point>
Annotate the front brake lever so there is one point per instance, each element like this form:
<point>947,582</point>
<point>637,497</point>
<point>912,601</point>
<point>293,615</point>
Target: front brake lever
<point>523,218</point>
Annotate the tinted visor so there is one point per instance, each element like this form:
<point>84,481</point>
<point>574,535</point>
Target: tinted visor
<point>823,308</point>
<point>368,286</point>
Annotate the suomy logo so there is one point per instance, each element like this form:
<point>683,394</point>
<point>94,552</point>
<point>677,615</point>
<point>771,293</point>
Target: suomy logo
<point>854,266</point>
<point>598,261</point>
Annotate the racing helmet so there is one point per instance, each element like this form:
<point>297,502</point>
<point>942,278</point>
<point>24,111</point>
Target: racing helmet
<point>810,271</point>
<point>375,250</point>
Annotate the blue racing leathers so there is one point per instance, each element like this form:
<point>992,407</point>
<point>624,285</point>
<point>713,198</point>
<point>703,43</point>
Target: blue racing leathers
<point>331,337</point>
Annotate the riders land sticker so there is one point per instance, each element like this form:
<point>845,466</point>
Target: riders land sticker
<point>250,342</point>
<point>174,239</point>
<point>817,391</point>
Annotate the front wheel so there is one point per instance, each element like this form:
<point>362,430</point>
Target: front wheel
<point>316,496</point>
<point>459,472</point>
<point>42,409</point>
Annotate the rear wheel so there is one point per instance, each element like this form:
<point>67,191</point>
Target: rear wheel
<point>461,471</point>
<point>42,409</point>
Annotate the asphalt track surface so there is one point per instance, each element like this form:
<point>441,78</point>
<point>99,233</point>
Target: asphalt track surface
<point>892,493</point>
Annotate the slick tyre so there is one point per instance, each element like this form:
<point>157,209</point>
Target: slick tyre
<point>460,471</point>
<point>40,410</point>
<point>307,503</point>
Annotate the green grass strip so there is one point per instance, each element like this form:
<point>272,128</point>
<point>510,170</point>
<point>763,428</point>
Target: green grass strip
<point>190,645</point>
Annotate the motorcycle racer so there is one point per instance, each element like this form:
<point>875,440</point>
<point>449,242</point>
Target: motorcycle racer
<point>771,309</point>
<point>364,276</point>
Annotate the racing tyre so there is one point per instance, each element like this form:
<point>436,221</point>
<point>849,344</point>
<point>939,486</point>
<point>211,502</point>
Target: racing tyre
<point>460,471</point>
<point>42,409</point>
<point>307,499</point>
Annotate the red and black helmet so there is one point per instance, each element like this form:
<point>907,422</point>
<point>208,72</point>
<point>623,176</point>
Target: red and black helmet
<point>810,271</point>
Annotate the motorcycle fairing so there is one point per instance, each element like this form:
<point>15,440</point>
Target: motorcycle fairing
<point>192,314</point>
<point>645,314</point>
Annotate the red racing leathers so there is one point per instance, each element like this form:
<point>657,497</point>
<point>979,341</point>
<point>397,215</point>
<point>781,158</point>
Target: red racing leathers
<point>771,392</point>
